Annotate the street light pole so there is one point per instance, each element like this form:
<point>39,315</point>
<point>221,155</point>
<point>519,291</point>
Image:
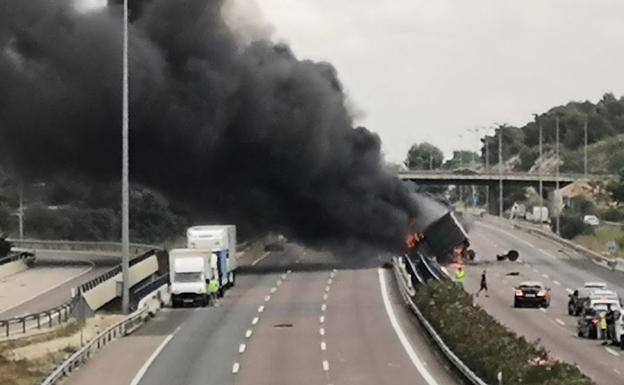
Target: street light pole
<point>21,211</point>
<point>125,214</point>
<point>487,169</point>
<point>585,150</point>
<point>557,192</point>
<point>500,172</point>
<point>539,169</point>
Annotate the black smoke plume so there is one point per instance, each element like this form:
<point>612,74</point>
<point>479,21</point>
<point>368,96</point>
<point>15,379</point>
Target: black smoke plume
<point>240,133</point>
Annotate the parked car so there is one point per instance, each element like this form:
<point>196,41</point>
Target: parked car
<point>618,329</point>
<point>591,220</point>
<point>578,298</point>
<point>532,293</point>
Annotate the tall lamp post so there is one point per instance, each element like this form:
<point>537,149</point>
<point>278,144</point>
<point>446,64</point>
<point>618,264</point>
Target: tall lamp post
<point>585,149</point>
<point>557,192</point>
<point>500,171</point>
<point>539,169</point>
<point>125,214</point>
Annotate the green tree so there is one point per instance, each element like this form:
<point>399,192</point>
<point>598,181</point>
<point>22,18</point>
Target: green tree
<point>616,188</point>
<point>461,159</point>
<point>424,156</point>
<point>151,218</point>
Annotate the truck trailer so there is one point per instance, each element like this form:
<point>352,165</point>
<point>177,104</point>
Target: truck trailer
<point>221,240</point>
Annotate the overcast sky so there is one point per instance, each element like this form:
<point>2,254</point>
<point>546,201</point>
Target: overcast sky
<point>431,70</point>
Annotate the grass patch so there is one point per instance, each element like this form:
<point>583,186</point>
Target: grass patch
<point>487,346</point>
<point>32,371</point>
<point>602,235</point>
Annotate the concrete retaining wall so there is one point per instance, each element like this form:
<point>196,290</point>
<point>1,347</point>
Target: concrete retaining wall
<point>107,291</point>
<point>12,268</point>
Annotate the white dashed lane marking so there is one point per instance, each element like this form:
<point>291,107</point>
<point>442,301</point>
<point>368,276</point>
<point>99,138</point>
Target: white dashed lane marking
<point>557,283</point>
<point>322,319</point>
<point>241,348</point>
<point>542,310</point>
<point>235,368</point>
<point>260,308</point>
<point>322,331</point>
<point>545,276</point>
<point>612,352</point>
<point>325,365</point>
<point>323,307</point>
<point>255,321</point>
<point>560,322</point>
<point>248,333</point>
<point>323,346</point>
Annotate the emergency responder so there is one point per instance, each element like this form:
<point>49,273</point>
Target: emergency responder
<point>603,326</point>
<point>460,275</point>
<point>213,290</point>
<point>610,317</point>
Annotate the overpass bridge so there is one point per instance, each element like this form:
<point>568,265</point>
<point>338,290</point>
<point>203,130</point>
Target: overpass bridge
<point>473,178</point>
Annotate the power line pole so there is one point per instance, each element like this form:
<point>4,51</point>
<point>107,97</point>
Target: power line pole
<point>557,192</point>
<point>500,172</point>
<point>125,214</point>
<point>585,150</point>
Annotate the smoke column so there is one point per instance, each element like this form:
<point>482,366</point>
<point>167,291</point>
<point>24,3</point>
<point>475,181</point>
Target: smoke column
<point>244,133</point>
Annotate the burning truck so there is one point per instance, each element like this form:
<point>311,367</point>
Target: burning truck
<point>446,239</point>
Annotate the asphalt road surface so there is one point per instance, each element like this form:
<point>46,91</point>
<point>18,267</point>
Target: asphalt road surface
<point>299,327</point>
<point>49,283</point>
<point>560,269</point>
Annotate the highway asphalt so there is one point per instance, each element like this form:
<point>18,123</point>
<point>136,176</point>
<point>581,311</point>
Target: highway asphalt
<point>560,269</point>
<point>300,327</point>
<point>49,283</point>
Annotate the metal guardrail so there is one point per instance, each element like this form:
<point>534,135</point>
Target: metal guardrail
<point>135,248</point>
<point>148,288</point>
<point>16,257</point>
<point>405,270</point>
<point>120,329</point>
<point>112,272</point>
<point>38,320</point>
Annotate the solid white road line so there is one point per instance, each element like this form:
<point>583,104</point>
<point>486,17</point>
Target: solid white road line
<point>260,308</point>
<point>401,335</point>
<point>612,352</point>
<point>260,258</point>
<point>560,322</point>
<point>248,333</point>
<point>49,289</point>
<point>325,365</point>
<point>323,346</point>
<point>255,321</point>
<point>137,378</point>
<point>235,368</point>
<point>241,348</point>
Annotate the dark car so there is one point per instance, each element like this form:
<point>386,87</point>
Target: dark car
<point>578,298</point>
<point>587,325</point>
<point>532,293</point>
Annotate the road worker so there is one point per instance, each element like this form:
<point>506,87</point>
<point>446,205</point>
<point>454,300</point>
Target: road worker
<point>460,276</point>
<point>213,290</point>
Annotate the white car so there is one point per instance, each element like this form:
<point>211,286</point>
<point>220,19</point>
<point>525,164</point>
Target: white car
<point>591,220</point>
<point>618,337</point>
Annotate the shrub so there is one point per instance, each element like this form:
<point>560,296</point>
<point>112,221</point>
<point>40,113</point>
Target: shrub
<point>613,214</point>
<point>485,345</point>
<point>572,225</point>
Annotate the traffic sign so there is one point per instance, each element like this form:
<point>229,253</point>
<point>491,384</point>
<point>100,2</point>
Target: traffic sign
<point>612,247</point>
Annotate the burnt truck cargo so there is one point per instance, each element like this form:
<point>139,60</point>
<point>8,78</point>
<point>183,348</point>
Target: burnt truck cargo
<point>444,235</point>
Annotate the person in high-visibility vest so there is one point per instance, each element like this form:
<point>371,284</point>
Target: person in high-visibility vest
<point>213,289</point>
<point>460,275</point>
<point>603,327</point>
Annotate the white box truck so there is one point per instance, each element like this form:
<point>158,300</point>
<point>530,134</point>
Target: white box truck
<point>221,239</point>
<point>189,272</point>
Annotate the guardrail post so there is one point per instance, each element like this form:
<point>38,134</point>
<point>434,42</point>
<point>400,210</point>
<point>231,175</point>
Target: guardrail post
<point>49,318</point>
<point>38,320</point>
<point>23,324</point>
<point>7,328</point>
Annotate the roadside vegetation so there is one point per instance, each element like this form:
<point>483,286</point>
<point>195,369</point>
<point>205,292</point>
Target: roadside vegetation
<point>20,370</point>
<point>486,346</point>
